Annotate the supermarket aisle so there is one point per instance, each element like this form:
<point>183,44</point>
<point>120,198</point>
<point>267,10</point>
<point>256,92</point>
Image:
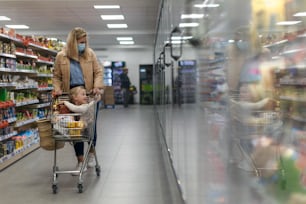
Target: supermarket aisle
<point>133,171</point>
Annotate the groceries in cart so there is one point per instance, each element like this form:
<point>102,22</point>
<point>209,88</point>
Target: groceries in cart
<point>71,119</point>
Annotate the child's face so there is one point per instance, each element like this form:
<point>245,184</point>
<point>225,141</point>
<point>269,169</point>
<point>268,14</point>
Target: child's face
<point>81,97</point>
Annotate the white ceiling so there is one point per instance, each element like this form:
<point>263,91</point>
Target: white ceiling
<point>55,18</point>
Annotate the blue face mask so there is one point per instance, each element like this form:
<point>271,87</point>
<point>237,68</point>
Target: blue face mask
<point>81,47</point>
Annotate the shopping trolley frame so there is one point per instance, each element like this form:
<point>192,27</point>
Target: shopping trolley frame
<point>85,136</point>
<point>245,130</point>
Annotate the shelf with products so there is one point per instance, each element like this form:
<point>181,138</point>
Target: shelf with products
<point>279,143</point>
<point>212,84</point>
<point>185,82</point>
<point>108,75</point>
<point>25,77</point>
<point>117,69</point>
<point>29,145</point>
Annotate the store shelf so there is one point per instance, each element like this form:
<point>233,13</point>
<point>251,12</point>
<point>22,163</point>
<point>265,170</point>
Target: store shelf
<point>18,104</point>
<point>25,122</point>
<point>26,73</point>
<point>45,89</point>
<point>20,54</point>
<point>7,55</point>
<point>17,154</point>
<point>4,137</point>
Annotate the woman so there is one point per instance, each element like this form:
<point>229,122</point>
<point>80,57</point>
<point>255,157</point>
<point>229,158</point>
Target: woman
<point>77,65</point>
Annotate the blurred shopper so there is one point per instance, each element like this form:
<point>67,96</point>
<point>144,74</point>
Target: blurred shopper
<point>125,86</point>
<point>77,65</point>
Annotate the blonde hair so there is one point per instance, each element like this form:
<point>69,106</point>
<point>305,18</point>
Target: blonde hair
<point>72,44</point>
<point>74,92</point>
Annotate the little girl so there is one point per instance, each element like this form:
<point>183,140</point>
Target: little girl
<point>80,104</point>
<point>79,100</point>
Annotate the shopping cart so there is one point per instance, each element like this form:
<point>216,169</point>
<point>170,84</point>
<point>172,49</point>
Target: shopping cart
<point>257,133</point>
<point>72,128</point>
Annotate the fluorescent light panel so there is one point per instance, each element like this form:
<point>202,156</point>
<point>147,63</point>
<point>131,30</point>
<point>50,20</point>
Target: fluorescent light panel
<point>192,16</point>
<point>17,26</point>
<point>288,22</point>
<point>4,18</point>
<point>179,38</point>
<point>126,42</point>
<point>175,41</point>
<point>106,6</point>
<point>117,25</point>
<point>300,14</point>
<point>112,17</point>
<point>206,5</point>
<point>124,38</point>
<point>184,25</point>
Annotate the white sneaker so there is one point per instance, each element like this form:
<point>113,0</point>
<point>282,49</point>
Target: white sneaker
<point>78,168</point>
<point>91,160</point>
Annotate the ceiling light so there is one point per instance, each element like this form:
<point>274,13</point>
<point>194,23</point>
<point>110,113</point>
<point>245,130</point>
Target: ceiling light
<point>177,42</point>
<point>117,25</point>
<point>112,17</point>
<point>4,18</point>
<point>206,5</point>
<point>124,38</point>
<point>288,22</point>
<point>179,38</point>
<point>17,26</point>
<point>106,6</point>
<point>192,16</point>
<point>126,42</point>
<point>184,25</point>
<point>300,14</point>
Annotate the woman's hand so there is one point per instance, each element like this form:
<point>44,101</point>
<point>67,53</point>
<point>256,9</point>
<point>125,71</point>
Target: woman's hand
<point>58,92</point>
<point>97,91</point>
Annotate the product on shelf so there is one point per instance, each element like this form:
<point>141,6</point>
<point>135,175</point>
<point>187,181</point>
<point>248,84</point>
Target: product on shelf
<point>26,65</point>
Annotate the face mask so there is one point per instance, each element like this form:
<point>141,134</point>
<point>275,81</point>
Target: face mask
<point>81,47</point>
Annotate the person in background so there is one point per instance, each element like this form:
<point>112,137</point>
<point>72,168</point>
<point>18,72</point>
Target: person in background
<point>77,65</point>
<point>125,86</point>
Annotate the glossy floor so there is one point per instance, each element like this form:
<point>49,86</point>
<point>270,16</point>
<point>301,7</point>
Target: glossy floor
<point>133,169</point>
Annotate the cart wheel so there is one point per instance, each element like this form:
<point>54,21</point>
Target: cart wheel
<point>54,188</point>
<point>80,187</point>
<point>98,170</point>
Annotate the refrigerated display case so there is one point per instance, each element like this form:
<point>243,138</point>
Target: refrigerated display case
<point>185,89</point>
<point>243,140</point>
<point>117,69</point>
<point>108,73</point>
<point>146,84</point>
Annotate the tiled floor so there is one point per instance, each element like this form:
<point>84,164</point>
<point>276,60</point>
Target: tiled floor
<point>133,171</point>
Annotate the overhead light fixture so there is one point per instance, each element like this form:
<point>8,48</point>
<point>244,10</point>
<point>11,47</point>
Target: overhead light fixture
<point>181,38</point>
<point>17,26</point>
<point>176,42</point>
<point>106,6</point>
<point>126,42</point>
<point>124,38</point>
<point>4,18</point>
<point>184,25</point>
<point>204,5</point>
<point>117,25</point>
<point>112,17</point>
<point>288,22</point>
<point>300,14</point>
<point>192,16</point>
